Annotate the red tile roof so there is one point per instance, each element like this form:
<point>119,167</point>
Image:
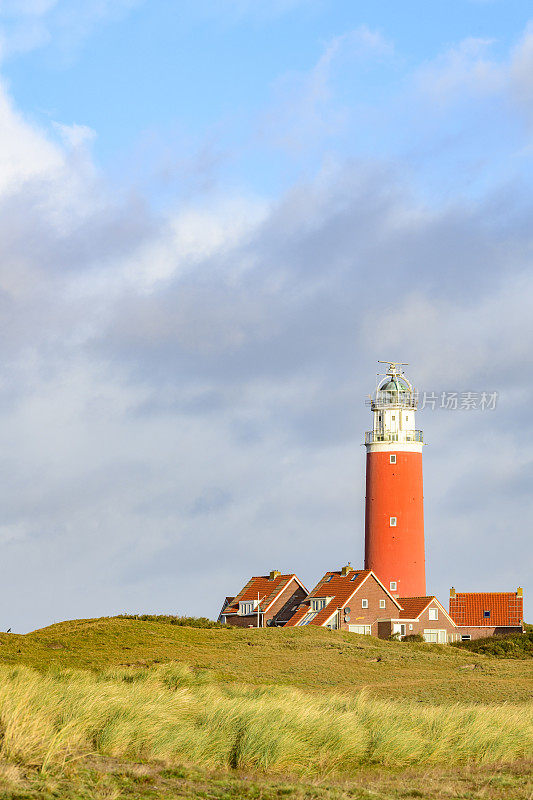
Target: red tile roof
<point>267,588</point>
<point>336,586</point>
<point>506,608</point>
<point>412,607</point>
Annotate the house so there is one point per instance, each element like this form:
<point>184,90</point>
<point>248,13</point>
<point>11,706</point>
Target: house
<point>348,599</point>
<point>356,601</point>
<point>480,614</point>
<point>266,600</point>
<point>422,615</point>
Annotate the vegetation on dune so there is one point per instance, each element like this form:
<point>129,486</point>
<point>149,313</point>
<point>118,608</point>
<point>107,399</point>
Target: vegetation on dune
<point>512,645</point>
<point>172,715</point>
<point>187,622</point>
<point>310,659</point>
<point>141,708</point>
<point>107,779</point>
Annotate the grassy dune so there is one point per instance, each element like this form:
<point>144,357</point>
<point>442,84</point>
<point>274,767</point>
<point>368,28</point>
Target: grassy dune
<point>125,708</point>
<point>309,659</point>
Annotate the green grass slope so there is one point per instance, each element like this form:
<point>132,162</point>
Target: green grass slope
<point>312,659</point>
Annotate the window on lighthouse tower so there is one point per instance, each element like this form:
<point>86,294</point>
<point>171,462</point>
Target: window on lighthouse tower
<point>393,521</point>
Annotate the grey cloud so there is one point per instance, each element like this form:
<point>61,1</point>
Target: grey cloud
<point>165,442</point>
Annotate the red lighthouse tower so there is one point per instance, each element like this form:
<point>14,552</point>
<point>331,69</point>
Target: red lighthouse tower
<point>394,514</point>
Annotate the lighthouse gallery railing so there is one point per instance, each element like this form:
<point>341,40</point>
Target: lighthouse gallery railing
<point>400,436</point>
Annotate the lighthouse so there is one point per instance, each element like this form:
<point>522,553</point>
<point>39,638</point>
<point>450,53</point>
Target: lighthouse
<point>394,509</point>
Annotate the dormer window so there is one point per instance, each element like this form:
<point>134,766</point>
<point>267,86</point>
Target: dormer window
<point>247,607</point>
<point>307,619</point>
<point>317,604</point>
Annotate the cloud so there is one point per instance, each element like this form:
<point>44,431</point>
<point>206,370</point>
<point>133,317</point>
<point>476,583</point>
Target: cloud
<point>31,24</point>
<point>520,71</point>
<point>306,109</point>
<point>470,70</point>
<point>183,391</point>
<point>462,70</point>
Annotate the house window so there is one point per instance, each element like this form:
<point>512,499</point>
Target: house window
<point>382,603</point>
<point>465,637</point>
<point>317,605</point>
<point>364,603</point>
<point>392,458</point>
<point>393,586</point>
<point>354,576</point>
<point>328,579</point>
<point>410,626</point>
<point>246,608</point>
<point>392,522</point>
<point>365,630</point>
<point>433,613</point>
<point>393,417</point>
<point>486,614</point>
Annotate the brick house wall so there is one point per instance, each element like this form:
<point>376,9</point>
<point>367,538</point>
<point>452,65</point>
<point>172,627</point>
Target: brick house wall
<point>482,631</point>
<point>442,623</point>
<point>372,591</point>
<point>284,607</point>
<point>238,621</point>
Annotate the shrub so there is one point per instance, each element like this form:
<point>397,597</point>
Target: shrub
<point>510,645</point>
<point>413,637</point>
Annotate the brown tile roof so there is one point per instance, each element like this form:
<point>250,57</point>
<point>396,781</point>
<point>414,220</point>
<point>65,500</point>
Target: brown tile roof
<point>412,607</point>
<point>468,608</point>
<point>268,589</point>
<point>338,587</point>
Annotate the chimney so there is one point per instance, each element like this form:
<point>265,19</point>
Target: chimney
<point>345,570</point>
<point>452,593</point>
<point>519,592</point>
<point>275,573</point>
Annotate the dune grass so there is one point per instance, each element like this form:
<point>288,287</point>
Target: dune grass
<point>173,716</point>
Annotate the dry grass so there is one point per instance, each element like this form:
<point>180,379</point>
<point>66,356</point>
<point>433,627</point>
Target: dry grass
<point>170,715</point>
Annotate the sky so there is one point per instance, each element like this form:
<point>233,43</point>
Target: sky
<point>216,216</point>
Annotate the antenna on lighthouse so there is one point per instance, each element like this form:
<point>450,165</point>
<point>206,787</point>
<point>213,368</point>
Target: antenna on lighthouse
<point>394,366</point>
